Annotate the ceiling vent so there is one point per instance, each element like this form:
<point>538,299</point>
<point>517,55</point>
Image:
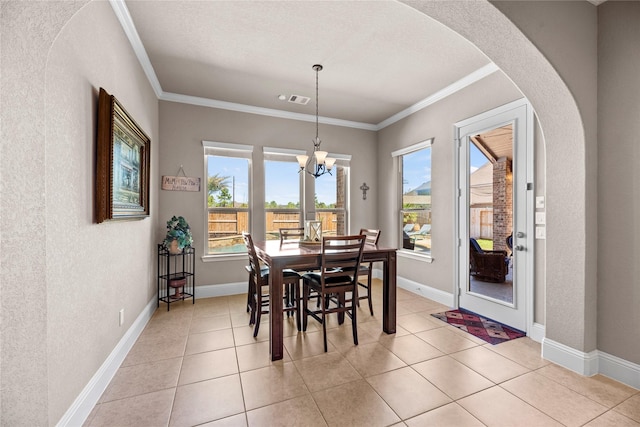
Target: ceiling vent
<point>297,99</point>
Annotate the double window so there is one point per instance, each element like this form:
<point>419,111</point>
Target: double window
<point>414,167</point>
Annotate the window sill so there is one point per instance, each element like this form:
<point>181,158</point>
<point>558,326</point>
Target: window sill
<point>224,257</point>
<point>414,256</point>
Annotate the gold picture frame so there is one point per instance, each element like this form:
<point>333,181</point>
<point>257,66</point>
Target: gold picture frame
<point>122,163</point>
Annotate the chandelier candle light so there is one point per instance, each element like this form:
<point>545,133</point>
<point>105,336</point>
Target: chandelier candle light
<point>323,164</point>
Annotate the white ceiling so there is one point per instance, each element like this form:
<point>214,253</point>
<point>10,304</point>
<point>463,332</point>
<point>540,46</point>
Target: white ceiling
<point>380,58</point>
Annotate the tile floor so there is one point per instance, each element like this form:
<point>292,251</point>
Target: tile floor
<point>200,365</point>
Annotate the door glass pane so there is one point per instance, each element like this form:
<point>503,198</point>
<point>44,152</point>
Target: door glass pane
<point>491,214</point>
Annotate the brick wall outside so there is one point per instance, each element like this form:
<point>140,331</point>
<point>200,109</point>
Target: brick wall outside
<point>502,203</point>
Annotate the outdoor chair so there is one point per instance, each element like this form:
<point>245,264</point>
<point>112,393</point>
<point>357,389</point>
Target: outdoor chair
<point>488,266</point>
<point>338,276</point>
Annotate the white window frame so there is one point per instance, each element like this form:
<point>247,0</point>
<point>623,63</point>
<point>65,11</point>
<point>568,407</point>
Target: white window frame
<point>222,149</point>
<point>284,155</point>
<point>342,160</point>
<point>398,155</point>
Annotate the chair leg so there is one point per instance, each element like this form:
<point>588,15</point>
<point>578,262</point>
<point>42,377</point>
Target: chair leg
<point>354,324</point>
<point>258,311</point>
<point>324,329</point>
<point>296,289</point>
<point>305,299</point>
<point>369,292</point>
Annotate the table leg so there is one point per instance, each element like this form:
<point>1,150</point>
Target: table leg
<point>275,310</point>
<point>389,294</point>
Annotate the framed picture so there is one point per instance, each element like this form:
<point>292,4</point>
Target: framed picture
<point>122,167</point>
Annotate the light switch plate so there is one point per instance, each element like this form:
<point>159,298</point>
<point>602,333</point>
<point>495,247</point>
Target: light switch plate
<point>541,233</point>
<point>539,202</point>
<point>541,218</point>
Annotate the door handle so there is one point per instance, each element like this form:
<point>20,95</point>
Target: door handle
<point>519,248</point>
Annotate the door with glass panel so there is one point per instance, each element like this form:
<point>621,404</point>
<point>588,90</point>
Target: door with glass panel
<point>494,171</point>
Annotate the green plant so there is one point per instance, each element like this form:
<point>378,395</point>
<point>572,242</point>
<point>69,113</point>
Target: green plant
<point>178,229</point>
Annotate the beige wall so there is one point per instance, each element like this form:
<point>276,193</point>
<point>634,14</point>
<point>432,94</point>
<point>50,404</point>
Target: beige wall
<point>566,33</point>
<point>183,128</point>
<point>64,278</point>
<point>436,121</point>
<point>619,179</point>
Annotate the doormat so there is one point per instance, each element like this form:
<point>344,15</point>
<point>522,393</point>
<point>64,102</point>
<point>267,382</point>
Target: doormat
<point>489,330</point>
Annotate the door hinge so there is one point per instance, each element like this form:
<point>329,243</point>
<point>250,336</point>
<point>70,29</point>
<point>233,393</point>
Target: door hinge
<point>459,291</point>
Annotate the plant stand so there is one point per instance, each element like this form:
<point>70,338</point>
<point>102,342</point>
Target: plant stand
<point>176,276</point>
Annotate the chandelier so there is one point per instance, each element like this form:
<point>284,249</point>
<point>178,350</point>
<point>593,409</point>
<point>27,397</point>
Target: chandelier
<point>318,164</point>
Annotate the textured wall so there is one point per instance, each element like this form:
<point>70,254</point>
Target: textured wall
<point>67,277</point>
<point>571,283</point>
<point>619,179</point>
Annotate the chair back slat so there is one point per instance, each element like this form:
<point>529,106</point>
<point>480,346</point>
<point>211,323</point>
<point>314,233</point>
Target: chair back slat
<point>371,235</point>
<point>254,262</point>
<point>341,257</point>
<point>291,235</point>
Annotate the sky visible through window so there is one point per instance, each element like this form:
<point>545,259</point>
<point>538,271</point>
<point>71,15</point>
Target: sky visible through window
<point>282,180</point>
<point>416,169</point>
<point>476,158</point>
<point>236,169</point>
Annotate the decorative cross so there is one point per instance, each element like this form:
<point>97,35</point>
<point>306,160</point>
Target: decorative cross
<point>364,187</point>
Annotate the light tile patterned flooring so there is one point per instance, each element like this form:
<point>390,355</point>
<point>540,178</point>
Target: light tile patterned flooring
<point>199,365</point>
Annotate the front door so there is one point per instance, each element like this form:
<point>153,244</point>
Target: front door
<point>495,255</point>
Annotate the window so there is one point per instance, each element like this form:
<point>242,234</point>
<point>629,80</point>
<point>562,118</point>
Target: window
<point>332,198</point>
<point>282,184</point>
<point>415,187</point>
<point>228,194</point>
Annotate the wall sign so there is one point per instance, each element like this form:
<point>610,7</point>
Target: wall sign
<point>180,183</point>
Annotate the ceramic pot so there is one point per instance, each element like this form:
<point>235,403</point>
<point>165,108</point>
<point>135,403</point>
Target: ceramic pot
<point>173,247</point>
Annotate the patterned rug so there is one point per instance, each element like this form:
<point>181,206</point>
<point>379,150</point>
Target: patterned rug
<point>489,330</point>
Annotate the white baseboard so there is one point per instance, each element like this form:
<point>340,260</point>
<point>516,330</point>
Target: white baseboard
<point>209,291</point>
<point>77,414</point>
<point>619,369</point>
<point>437,295</point>
<point>536,332</point>
<point>592,363</point>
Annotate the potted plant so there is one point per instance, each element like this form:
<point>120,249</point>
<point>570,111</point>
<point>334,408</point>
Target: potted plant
<point>178,235</point>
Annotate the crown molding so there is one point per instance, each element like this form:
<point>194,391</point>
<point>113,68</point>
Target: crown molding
<point>122,13</point>
<point>243,108</point>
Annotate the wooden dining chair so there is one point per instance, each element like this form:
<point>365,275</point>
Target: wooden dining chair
<point>338,275</point>
<point>371,238</point>
<point>259,281</point>
<point>291,235</point>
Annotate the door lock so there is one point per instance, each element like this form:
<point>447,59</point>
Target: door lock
<point>520,234</point>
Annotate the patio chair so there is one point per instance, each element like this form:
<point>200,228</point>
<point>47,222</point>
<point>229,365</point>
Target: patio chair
<point>424,230</point>
<point>488,266</point>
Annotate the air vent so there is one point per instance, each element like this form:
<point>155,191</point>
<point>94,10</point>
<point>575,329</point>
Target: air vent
<point>297,99</point>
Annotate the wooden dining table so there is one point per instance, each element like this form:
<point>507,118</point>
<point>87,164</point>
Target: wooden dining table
<point>308,257</point>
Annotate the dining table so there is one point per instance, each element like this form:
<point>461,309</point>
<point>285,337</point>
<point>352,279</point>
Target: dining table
<point>306,257</point>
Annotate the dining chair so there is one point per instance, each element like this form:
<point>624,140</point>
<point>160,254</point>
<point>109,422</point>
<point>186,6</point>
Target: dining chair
<point>259,281</point>
<point>291,235</point>
<point>338,275</point>
<point>371,238</point>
